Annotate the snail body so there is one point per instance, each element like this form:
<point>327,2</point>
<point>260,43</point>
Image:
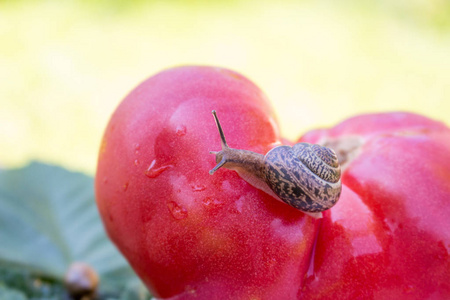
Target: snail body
<point>305,176</point>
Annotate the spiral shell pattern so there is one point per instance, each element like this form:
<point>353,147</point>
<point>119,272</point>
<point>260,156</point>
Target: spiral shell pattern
<point>304,176</point>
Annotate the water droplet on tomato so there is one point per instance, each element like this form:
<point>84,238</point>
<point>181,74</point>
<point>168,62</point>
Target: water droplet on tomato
<point>198,188</point>
<point>137,147</point>
<point>136,162</point>
<point>180,130</point>
<point>409,289</point>
<point>178,212</point>
<point>125,186</point>
<point>210,201</point>
<point>154,171</point>
<point>207,201</point>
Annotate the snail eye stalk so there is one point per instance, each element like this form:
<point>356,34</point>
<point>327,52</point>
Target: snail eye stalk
<point>222,136</point>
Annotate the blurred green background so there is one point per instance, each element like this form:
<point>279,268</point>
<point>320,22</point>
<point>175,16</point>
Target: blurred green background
<point>65,65</point>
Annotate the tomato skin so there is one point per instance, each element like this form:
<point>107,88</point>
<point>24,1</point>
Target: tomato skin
<point>389,235</point>
<point>190,235</point>
<point>186,233</point>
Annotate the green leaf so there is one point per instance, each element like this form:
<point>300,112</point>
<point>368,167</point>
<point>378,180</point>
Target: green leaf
<point>10,294</point>
<point>48,220</point>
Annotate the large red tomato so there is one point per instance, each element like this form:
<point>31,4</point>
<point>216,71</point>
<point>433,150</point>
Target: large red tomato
<point>190,235</point>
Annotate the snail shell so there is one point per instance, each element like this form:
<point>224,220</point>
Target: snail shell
<point>305,176</point>
<point>81,281</point>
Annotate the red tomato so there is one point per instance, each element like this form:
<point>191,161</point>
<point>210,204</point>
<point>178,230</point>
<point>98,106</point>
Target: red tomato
<point>389,235</point>
<point>190,235</point>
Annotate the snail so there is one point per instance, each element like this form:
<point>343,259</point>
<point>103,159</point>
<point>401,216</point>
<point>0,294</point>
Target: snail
<point>305,176</point>
<point>81,281</point>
